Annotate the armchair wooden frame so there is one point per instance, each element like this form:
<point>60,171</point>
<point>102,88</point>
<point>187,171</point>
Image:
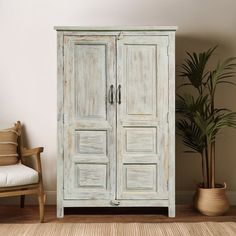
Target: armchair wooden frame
<point>31,188</point>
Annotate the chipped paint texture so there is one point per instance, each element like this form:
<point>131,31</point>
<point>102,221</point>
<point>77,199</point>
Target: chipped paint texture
<point>118,153</point>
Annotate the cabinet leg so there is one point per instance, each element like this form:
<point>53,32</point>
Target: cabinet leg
<point>60,211</point>
<point>171,211</point>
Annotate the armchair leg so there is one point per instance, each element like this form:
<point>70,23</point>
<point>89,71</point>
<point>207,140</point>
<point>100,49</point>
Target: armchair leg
<point>41,200</point>
<point>22,201</point>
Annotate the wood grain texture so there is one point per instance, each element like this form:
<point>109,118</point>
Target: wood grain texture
<point>89,150</point>
<point>141,140</point>
<point>143,75</point>
<point>141,178</point>
<point>122,203</point>
<point>115,33</point>
<point>121,229</point>
<point>91,142</point>
<point>171,125</point>
<point>92,176</point>
<point>116,152</point>
<point>113,28</point>
<point>60,129</point>
<point>89,68</point>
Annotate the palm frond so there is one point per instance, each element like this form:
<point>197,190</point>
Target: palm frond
<point>194,68</point>
<point>200,122</point>
<point>222,73</point>
<point>191,135</point>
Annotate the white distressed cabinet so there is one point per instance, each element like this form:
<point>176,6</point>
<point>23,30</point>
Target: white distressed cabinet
<point>116,117</point>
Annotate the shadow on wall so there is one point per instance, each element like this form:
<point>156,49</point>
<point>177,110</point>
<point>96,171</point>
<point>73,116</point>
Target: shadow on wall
<point>188,165</point>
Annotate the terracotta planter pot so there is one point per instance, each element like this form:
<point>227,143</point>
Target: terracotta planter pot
<point>211,201</point>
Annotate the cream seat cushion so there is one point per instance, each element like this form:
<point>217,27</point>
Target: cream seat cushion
<point>15,175</point>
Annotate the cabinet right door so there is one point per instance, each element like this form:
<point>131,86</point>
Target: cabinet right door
<point>142,117</point>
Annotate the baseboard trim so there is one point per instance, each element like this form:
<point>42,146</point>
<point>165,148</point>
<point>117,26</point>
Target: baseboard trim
<point>182,197</point>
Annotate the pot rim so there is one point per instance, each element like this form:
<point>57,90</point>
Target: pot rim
<point>218,186</point>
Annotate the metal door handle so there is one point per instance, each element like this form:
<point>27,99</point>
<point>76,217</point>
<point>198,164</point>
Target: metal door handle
<point>119,94</point>
<point>111,97</point>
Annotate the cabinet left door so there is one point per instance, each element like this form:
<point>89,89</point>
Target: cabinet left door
<point>89,117</point>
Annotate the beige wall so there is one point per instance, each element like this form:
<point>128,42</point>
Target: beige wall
<point>28,64</point>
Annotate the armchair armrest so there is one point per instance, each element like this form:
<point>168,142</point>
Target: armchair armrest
<point>34,152</point>
<point>30,152</point>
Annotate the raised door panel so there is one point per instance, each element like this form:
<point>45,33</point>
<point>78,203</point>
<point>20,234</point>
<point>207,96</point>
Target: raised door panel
<point>142,129</point>
<point>90,87</point>
<point>89,118</point>
<point>141,82</point>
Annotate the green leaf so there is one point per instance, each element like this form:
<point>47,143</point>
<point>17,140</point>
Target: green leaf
<point>194,69</point>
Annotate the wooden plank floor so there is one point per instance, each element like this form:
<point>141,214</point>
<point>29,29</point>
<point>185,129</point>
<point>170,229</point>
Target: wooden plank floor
<point>14,214</point>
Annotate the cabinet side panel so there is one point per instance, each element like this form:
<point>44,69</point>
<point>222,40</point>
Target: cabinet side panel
<point>172,124</point>
<point>60,82</point>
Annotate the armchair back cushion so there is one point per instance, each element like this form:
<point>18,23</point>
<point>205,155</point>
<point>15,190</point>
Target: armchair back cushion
<point>8,145</point>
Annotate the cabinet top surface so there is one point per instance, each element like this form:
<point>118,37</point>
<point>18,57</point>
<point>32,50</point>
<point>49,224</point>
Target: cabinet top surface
<point>115,28</point>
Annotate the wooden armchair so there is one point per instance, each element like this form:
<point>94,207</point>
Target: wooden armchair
<point>17,179</point>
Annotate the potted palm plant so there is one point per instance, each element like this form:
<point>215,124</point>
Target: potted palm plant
<point>200,122</point>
